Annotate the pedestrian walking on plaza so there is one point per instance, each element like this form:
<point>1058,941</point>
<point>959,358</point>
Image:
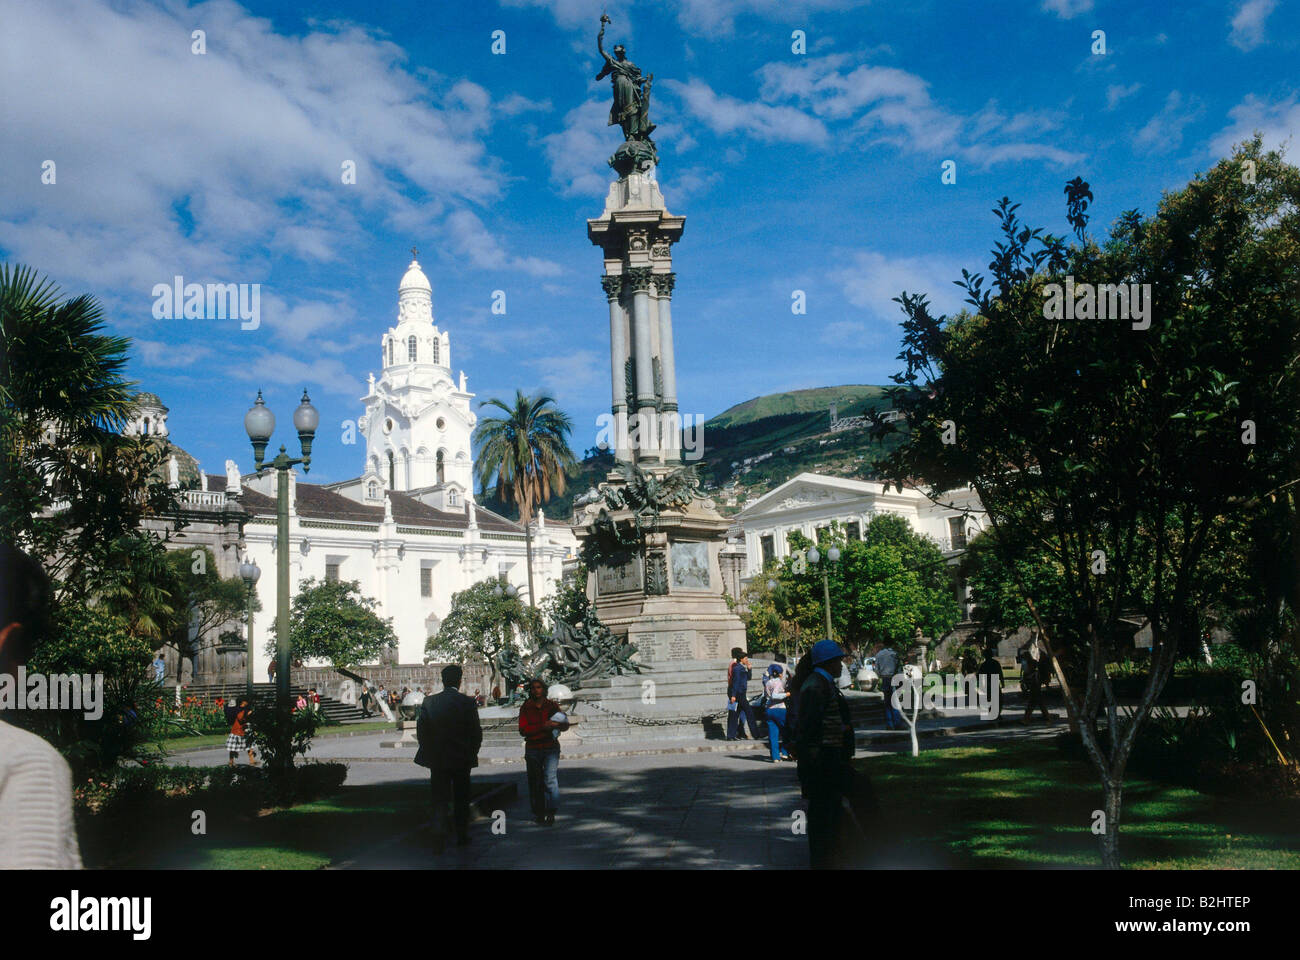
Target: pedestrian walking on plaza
<point>314,697</point>
<point>367,699</point>
<point>1031,677</point>
<point>541,721</point>
<point>240,720</point>
<point>887,669</point>
<point>825,741</point>
<point>738,697</point>
<point>774,710</point>
<point>159,668</point>
<point>990,684</point>
<point>449,735</point>
<point>270,670</point>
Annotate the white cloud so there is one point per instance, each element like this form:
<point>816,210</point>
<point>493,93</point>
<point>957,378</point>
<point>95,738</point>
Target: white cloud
<point>1277,122</point>
<point>726,115</point>
<point>1067,9</point>
<point>1117,92</point>
<point>485,250</point>
<point>870,280</point>
<point>575,151</point>
<point>895,107</point>
<point>1248,24</point>
<point>1164,131</point>
<point>247,142</point>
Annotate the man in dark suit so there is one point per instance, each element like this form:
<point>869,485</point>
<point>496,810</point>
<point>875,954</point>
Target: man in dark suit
<point>449,735</point>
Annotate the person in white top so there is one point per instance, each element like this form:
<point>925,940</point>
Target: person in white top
<point>36,824</point>
<point>774,712</point>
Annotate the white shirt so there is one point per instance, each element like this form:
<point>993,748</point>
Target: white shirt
<point>37,831</point>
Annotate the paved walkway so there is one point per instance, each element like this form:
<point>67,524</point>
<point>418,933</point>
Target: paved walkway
<point>725,806</point>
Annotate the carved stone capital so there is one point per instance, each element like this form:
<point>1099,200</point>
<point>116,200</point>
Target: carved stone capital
<point>664,283</point>
<point>613,285</point>
<point>639,278</point>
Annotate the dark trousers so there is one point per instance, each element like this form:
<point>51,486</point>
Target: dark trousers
<point>733,719</point>
<point>824,785</point>
<point>1034,698</point>
<point>450,789</point>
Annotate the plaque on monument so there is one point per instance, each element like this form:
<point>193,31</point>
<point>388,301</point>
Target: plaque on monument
<point>619,579</point>
<point>691,565</point>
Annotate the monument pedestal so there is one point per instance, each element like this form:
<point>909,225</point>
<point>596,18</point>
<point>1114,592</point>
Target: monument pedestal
<point>667,600</point>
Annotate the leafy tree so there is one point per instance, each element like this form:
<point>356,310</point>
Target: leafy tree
<point>204,600</point>
<point>91,641</point>
<point>529,454</point>
<point>569,603</point>
<point>73,484</point>
<point>332,620</point>
<point>1113,447</point>
<point>882,589</point>
<point>483,627</point>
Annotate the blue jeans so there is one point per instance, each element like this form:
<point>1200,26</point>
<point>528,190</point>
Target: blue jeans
<point>775,728</point>
<point>543,780</point>
<point>743,709</point>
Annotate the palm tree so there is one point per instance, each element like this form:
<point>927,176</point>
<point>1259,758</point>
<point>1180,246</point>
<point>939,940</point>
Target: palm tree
<point>529,455</point>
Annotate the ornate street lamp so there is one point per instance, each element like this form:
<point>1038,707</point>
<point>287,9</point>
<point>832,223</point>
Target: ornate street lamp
<point>814,557</point>
<point>250,572</point>
<point>260,424</point>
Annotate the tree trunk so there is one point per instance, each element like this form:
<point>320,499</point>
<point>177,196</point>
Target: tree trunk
<point>1110,838</point>
<point>528,545</point>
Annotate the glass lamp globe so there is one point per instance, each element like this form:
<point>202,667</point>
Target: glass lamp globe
<point>833,554</point>
<point>249,571</point>
<point>260,424</point>
<point>814,555</point>
<point>771,584</point>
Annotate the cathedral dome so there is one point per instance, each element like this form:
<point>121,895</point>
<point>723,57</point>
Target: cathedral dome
<point>414,279</point>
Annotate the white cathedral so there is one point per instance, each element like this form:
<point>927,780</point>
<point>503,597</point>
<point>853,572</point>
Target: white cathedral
<point>408,529</point>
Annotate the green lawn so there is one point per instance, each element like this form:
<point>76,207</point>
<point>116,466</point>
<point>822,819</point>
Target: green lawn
<point>306,837</point>
<point>217,739</point>
<point>1027,804</point>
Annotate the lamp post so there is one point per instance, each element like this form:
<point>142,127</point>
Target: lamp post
<point>250,572</point>
<point>814,557</point>
<point>260,424</point>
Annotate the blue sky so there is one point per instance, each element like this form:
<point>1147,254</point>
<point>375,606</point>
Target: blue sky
<point>817,172</point>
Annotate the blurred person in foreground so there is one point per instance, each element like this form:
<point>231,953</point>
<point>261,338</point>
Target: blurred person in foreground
<point>37,830</point>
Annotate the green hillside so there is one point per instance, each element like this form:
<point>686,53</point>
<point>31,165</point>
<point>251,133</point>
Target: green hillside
<point>817,400</point>
<point>781,434</point>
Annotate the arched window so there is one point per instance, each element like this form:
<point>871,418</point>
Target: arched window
<point>373,490</point>
<point>146,426</point>
<point>392,472</point>
<point>410,349</point>
<point>435,349</point>
<point>441,467</point>
<point>451,498</point>
<point>388,351</point>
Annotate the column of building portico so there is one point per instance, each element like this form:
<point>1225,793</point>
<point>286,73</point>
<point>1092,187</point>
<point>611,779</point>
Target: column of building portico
<point>671,427</point>
<point>647,425</point>
<point>618,354</point>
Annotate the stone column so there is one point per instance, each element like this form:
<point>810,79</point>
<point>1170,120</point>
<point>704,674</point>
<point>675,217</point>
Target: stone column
<point>618,354</point>
<point>647,428</point>
<point>672,423</point>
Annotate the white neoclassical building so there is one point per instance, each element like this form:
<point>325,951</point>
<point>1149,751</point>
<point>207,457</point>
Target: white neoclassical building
<point>407,529</point>
<point>812,501</point>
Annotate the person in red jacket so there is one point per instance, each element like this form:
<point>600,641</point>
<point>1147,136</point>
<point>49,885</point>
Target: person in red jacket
<point>542,750</point>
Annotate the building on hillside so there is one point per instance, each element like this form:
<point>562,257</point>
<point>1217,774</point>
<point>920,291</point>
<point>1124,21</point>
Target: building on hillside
<point>811,502</point>
<point>407,529</point>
